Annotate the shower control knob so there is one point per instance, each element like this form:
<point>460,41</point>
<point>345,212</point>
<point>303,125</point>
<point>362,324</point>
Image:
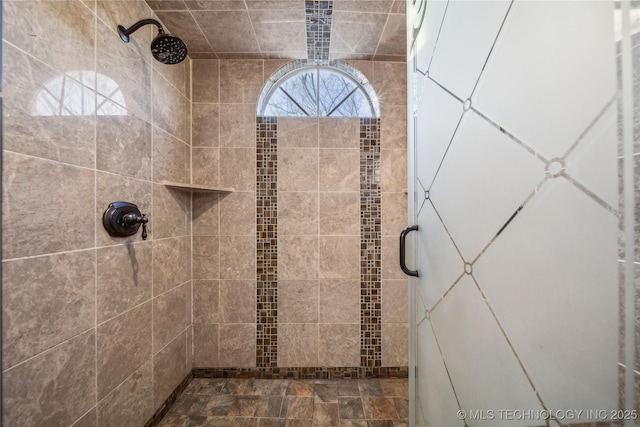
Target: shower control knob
<point>122,219</point>
<point>144,221</point>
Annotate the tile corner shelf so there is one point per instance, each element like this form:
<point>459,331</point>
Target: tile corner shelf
<point>196,188</point>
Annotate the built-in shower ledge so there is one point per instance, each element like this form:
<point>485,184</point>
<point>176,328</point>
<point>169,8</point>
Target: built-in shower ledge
<point>196,188</point>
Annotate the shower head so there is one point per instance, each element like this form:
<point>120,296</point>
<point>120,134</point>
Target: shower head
<point>165,48</point>
<point>168,49</point>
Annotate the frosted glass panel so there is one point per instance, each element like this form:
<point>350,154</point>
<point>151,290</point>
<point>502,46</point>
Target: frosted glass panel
<point>565,50</point>
<point>482,182</point>
<point>484,371</point>
<point>438,114</point>
<point>522,212</point>
<point>593,162</point>
<point>470,29</point>
<point>427,23</point>
<point>556,295</point>
<point>438,402</point>
<point>441,264</point>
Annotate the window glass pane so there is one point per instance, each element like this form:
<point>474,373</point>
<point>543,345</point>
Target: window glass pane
<point>334,88</point>
<point>280,105</point>
<point>356,105</point>
<point>303,88</point>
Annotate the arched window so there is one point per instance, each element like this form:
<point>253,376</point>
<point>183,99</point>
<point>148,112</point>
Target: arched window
<point>71,95</point>
<point>302,88</point>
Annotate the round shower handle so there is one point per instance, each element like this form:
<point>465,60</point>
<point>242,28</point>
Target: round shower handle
<point>122,219</point>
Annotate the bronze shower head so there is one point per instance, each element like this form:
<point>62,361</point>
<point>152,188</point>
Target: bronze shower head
<point>165,48</point>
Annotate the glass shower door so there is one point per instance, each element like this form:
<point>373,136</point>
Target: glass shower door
<point>520,155</point>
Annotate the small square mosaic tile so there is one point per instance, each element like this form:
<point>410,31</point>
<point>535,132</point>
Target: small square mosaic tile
<point>370,245</point>
<point>318,22</point>
<point>267,242</point>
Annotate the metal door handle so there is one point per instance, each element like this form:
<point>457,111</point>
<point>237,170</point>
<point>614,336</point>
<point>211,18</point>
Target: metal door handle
<point>403,238</point>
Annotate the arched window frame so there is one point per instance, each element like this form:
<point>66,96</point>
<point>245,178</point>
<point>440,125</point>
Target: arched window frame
<point>294,68</point>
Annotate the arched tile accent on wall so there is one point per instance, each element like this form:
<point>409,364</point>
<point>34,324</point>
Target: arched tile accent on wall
<point>320,244</point>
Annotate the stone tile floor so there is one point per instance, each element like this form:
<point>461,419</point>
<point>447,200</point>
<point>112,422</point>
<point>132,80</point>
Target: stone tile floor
<point>291,403</point>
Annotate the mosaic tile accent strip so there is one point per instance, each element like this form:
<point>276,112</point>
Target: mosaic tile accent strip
<point>370,245</point>
<point>168,403</point>
<point>267,242</point>
<point>309,373</point>
<point>318,16</point>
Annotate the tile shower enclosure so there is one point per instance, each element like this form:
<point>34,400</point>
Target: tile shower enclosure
<point>102,331</point>
<point>306,308</point>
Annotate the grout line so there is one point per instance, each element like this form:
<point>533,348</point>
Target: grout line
<point>95,204</point>
<point>96,248</point>
<point>154,354</point>
<point>76,422</point>
<point>153,373</point>
<point>190,199</point>
<point>59,162</point>
<point>49,349</point>
<point>94,168</point>
<point>200,30</point>
<point>384,27</point>
<point>317,193</point>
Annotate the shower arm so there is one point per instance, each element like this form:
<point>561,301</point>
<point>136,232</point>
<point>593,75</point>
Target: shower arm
<point>126,32</point>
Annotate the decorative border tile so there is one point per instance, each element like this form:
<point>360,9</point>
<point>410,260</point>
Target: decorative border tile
<point>309,373</point>
<point>168,403</point>
<point>370,244</point>
<point>318,16</point>
<point>267,242</point>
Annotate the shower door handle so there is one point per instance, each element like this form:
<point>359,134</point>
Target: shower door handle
<point>403,238</point>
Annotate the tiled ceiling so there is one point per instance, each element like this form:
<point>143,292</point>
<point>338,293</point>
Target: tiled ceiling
<point>361,29</point>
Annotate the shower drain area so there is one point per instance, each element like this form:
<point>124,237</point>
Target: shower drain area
<point>285,402</point>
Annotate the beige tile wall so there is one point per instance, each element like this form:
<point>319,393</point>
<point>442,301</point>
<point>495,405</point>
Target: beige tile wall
<point>389,81</point>
<point>109,320</point>
<point>224,234</point>
<point>95,329</point>
<point>318,222</point>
